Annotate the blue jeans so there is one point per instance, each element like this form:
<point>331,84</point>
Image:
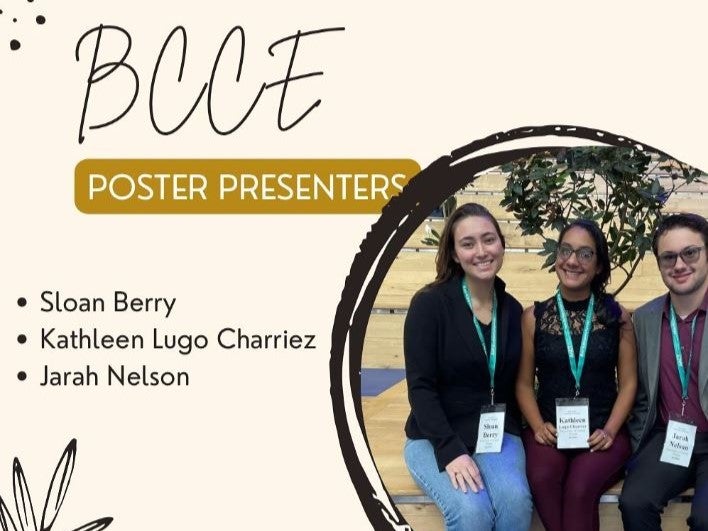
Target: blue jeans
<point>505,503</point>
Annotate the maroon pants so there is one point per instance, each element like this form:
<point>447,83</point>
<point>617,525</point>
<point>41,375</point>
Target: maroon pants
<point>567,484</point>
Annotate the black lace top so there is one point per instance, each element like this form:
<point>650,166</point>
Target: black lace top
<point>555,379</point>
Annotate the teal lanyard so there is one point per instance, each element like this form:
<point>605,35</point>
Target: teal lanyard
<point>576,367</point>
<point>491,354</point>
<point>683,372</point>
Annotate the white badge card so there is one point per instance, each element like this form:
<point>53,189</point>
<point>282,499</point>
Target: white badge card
<point>678,445</point>
<point>491,429</point>
<point>572,422</point>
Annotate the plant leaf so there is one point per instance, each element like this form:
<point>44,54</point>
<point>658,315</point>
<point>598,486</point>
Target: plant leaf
<point>96,525</point>
<point>5,518</point>
<point>23,501</point>
<point>58,486</point>
<point>550,260</point>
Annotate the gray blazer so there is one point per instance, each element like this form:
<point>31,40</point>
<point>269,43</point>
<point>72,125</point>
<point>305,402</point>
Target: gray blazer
<point>647,327</point>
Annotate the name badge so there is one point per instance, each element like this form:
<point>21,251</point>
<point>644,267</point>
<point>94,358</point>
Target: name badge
<point>680,438</point>
<point>491,429</point>
<point>572,422</point>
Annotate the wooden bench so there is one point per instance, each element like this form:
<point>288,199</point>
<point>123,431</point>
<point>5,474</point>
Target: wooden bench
<point>384,420</point>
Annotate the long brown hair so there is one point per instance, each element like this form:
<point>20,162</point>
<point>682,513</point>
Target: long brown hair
<point>445,265</point>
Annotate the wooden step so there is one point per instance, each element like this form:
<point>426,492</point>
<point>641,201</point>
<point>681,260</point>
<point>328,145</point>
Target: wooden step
<point>697,204</point>
<point>510,230</point>
<point>383,343</point>
<point>522,273</point>
<point>495,181</point>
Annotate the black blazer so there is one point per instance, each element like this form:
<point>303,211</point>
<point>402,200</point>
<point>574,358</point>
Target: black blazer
<point>447,372</point>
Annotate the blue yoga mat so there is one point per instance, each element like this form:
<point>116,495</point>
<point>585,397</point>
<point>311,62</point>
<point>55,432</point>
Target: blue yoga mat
<point>376,381</point>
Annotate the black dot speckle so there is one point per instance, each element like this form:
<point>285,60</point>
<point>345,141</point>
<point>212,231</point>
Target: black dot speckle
<point>14,20</point>
<point>14,44</point>
<point>40,19</point>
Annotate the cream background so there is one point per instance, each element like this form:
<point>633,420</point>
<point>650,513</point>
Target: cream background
<point>251,444</point>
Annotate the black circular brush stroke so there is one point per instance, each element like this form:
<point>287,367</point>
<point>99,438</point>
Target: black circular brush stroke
<point>399,219</point>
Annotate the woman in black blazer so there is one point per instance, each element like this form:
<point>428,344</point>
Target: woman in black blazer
<point>462,344</point>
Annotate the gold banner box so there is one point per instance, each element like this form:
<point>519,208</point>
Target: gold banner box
<point>239,186</point>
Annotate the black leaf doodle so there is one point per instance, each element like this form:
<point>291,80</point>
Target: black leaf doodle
<point>39,19</point>
<point>58,487</point>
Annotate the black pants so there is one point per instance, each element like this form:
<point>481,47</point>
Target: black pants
<point>650,484</point>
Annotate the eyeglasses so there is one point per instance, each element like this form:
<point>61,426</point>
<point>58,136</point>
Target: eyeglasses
<point>689,255</point>
<point>583,254</point>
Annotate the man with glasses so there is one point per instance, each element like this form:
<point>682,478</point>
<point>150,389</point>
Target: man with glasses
<point>669,423</point>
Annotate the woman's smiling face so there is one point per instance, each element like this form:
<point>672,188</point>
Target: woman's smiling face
<point>576,260</point>
<point>478,248</point>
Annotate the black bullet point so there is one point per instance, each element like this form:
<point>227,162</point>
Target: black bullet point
<point>21,339</point>
<point>22,376</point>
<point>21,302</point>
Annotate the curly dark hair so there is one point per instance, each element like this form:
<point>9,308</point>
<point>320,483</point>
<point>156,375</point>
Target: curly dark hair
<point>599,283</point>
<point>693,222</point>
<point>608,310</point>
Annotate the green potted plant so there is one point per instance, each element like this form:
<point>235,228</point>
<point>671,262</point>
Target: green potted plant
<point>622,189</point>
